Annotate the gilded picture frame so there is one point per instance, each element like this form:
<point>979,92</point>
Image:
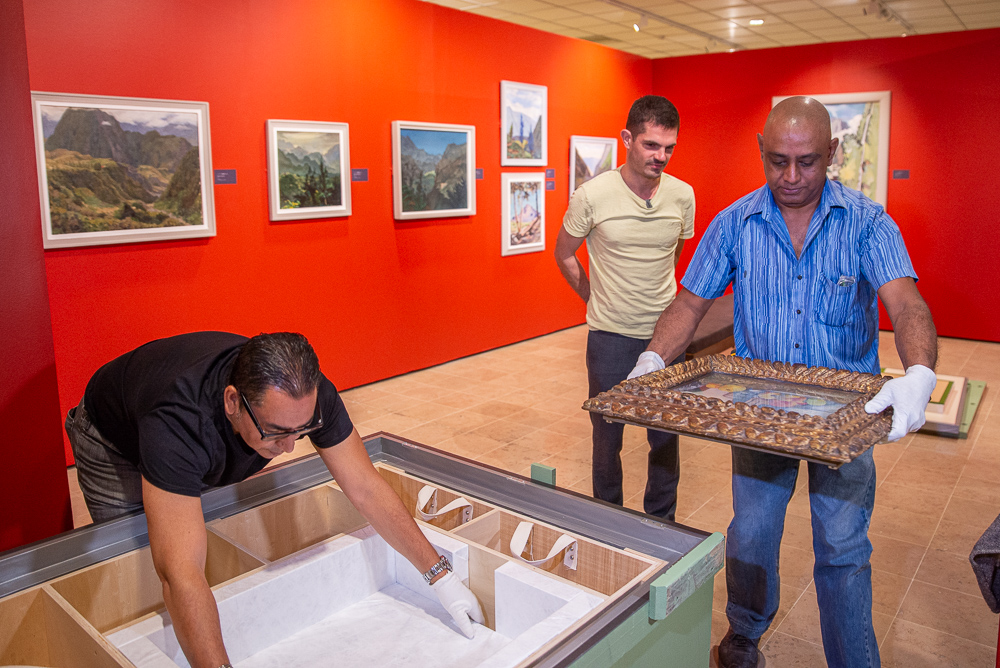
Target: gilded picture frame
<point>116,170</point>
<point>811,413</point>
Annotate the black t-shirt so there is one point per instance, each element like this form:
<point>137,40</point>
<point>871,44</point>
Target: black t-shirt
<point>161,405</point>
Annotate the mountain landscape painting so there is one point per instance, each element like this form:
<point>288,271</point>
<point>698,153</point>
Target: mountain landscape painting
<point>856,162</point>
<point>524,108</point>
<point>433,169</point>
<point>590,156</point>
<point>112,168</point>
<point>523,213</point>
<point>308,169</point>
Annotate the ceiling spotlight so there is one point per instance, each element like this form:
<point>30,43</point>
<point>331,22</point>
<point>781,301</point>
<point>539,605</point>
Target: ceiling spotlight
<point>756,22</point>
<point>643,22</point>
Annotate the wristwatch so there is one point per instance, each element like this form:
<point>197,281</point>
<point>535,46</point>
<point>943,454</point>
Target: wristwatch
<point>442,565</point>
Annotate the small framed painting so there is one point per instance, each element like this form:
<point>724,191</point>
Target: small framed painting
<point>590,156</point>
<point>433,170</point>
<point>118,170</point>
<point>861,122</point>
<point>523,213</point>
<point>524,111</point>
<point>308,170</point>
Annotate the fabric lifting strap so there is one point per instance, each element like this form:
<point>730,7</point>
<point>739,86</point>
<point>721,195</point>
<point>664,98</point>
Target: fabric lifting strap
<point>564,544</point>
<point>427,505</point>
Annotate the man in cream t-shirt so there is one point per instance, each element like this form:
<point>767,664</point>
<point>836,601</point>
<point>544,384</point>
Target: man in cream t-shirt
<point>635,220</point>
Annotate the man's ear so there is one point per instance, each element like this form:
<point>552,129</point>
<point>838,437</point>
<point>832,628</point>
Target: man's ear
<point>834,143</point>
<point>627,139</point>
<point>231,400</point>
<point>760,144</point>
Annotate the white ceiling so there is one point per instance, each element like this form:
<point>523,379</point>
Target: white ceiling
<point>688,27</point>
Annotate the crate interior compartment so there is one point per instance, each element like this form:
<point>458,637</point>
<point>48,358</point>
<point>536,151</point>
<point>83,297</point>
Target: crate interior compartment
<point>408,488</point>
<point>355,598</point>
<point>123,589</point>
<point>279,528</point>
<point>601,568</point>
<point>38,629</point>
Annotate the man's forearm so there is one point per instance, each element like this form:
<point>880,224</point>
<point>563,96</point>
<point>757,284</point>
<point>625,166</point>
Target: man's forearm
<point>677,324</point>
<point>572,270</point>
<point>195,616</point>
<point>389,517</point>
<point>916,336</point>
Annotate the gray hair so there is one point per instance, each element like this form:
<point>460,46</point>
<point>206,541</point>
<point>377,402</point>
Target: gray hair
<point>283,361</point>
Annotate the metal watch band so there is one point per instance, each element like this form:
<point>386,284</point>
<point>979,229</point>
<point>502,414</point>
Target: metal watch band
<point>442,565</point>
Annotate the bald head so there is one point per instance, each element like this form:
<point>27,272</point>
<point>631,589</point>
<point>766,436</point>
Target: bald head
<point>801,114</point>
<point>796,148</point>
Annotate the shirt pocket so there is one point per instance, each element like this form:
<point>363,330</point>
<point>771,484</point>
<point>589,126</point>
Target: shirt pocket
<point>835,302</point>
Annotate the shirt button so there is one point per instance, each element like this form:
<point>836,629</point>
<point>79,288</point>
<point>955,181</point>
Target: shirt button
<point>799,277</point>
<point>798,311</point>
<point>796,345</point>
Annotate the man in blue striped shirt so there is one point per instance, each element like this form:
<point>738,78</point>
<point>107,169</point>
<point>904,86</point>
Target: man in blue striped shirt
<point>808,258</point>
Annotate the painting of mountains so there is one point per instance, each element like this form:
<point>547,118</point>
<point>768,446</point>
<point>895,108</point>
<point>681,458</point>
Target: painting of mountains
<point>590,156</point>
<point>523,213</point>
<point>860,121</point>
<point>432,170</point>
<point>308,169</point>
<point>112,169</point>
<point>524,110</point>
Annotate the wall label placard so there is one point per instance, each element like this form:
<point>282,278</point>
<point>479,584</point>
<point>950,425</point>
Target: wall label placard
<point>900,173</point>
<point>224,176</point>
<point>550,173</point>
<point>479,173</point>
<point>359,175</point>
<point>550,184</point>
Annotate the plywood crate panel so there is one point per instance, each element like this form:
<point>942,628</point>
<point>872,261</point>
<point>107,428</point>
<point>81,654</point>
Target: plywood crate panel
<point>123,589</point>
<point>407,487</point>
<point>38,628</point>
<point>285,526</point>
<point>600,568</point>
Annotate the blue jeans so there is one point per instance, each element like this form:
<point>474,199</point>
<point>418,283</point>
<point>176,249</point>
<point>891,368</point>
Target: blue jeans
<point>610,358</point>
<point>841,502</point>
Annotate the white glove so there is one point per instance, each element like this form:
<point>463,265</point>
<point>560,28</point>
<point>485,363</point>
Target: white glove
<point>908,395</point>
<point>460,603</point>
<point>648,363</point>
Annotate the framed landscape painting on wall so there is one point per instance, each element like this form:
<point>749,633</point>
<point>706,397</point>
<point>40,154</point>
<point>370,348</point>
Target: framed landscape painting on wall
<point>590,156</point>
<point>524,111</point>
<point>861,122</point>
<point>523,213</point>
<point>115,170</point>
<point>308,169</point>
<point>433,170</point>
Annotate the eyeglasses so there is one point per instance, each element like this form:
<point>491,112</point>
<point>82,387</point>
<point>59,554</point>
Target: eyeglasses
<point>313,425</point>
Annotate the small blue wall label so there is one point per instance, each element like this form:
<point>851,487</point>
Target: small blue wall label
<point>550,173</point>
<point>550,184</point>
<point>479,173</point>
<point>224,176</point>
<point>359,175</point>
<point>900,173</point>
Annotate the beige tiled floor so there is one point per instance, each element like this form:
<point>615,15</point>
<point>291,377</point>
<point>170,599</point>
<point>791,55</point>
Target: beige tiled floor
<point>521,404</point>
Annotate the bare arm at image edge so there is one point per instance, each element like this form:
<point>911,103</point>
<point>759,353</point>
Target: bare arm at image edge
<point>677,324</point>
<point>178,542</point>
<point>570,266</point>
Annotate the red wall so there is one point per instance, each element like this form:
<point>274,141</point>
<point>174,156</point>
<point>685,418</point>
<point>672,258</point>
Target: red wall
<point>376,297</point>
<point>34,495</point>
<point>944,128</point>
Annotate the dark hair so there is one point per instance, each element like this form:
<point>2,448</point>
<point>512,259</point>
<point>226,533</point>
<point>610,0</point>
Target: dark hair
<point>653,109</point>
<point>283,360</point>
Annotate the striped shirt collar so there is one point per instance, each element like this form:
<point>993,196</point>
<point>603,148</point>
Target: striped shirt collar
<point>762,204</point>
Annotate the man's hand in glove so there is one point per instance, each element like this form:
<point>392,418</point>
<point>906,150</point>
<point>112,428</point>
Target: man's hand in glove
<point>908,395</point>
<point>460,603</point>
<point>648,363</point>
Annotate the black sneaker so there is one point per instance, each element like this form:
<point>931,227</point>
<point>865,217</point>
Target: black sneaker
<point>736,651</point>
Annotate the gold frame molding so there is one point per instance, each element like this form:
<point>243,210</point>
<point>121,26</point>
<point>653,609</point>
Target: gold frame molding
<point>834,440</point>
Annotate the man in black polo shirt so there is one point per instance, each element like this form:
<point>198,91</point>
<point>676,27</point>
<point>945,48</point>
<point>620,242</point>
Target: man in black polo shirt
<point>162,423</point>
